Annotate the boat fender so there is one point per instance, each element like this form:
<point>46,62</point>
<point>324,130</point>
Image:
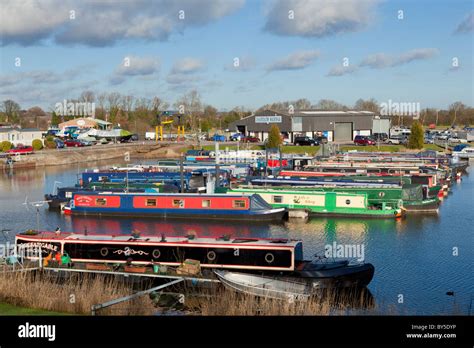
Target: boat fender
<point>211,255</point>
<point>104,252</point>
<point>156,253</point>
<point>269,258</point>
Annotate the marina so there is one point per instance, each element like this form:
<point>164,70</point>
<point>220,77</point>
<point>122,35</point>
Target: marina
<point>104,210</point>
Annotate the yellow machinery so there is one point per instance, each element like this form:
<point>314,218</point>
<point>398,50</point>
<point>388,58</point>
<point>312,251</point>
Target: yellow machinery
<point>159,128</point>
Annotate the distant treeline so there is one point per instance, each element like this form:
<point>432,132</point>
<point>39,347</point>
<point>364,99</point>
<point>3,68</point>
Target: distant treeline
<point>140,114</point>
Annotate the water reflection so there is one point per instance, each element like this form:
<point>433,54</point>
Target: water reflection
<point>154,227</point>
<point>413,255</point>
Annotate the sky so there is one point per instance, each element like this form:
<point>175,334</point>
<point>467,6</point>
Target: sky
<point>238,52</point>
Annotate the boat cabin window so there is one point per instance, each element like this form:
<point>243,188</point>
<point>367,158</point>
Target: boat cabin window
<point>68,194</point>
<point>277,199</point>
<point>238,203</point>
<point>150,202</point>
<point>348,201</point>
<point>373,170</point>
<point>206,203</point>
<point>178,203</point>
<point>100,201</point>
<point>103,178</point>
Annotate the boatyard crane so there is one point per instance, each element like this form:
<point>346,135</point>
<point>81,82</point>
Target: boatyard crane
<point>169,114</point>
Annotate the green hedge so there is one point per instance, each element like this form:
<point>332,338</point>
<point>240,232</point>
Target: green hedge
<point>5,146</point>
<point>37,144</point>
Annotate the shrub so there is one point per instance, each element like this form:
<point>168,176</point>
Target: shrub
<point>274,137</point>
<point>416,139</point>
<point>37,144</point>
<point>5,145</point>
<point>49,144</point>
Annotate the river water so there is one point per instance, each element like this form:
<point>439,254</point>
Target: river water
<point>417,259</point>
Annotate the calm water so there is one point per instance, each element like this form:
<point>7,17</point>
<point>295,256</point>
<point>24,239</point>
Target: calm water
<point>412,257</point>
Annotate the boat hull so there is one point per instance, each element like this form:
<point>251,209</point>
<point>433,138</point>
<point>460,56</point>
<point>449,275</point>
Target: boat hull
<point>273,215</point>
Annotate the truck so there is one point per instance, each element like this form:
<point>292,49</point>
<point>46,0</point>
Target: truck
<point>150,136</point>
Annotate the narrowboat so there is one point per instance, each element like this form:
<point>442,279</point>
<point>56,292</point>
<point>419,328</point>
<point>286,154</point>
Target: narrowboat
<point>175,205</point>
<point>64,194</point>
<point>277,257</point>
<point>341,204</point>
<point>409,197</point>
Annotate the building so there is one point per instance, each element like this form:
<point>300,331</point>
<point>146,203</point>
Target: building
<point>86,122</point>
<point>16,136</point>
<point>335,125</point>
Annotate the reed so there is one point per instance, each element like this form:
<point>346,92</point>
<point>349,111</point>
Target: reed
<point>219,301</point>
<point>76,294</point>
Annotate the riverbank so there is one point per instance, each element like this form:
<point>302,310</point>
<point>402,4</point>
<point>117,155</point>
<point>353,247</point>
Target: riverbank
<point>70,156</point>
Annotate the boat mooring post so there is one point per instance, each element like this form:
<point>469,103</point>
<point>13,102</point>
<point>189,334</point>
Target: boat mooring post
<point>181,173</point>
<point>94,308</point>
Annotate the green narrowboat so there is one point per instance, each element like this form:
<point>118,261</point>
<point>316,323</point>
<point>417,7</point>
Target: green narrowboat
<point>341,204</point>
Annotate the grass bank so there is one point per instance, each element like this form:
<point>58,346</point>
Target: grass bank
<point>388,148</point>
<point>8,309</point>
<point>310,150</point>
<point>43,293</point>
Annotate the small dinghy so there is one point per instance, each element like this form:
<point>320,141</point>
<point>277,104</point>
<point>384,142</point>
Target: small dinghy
<point>265,286</point>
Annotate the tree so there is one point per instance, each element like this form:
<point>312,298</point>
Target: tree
<point>274,137</point>
<point>367,105</point>
<point>330,105</point>
<point>416,139</point>
<point>11,110</point>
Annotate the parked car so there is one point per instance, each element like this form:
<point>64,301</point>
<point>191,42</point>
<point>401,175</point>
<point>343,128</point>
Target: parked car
<point>250,140</point>
<point>321,139</point>
<point>305,141</point>
<point>217,137</point>
<point>86,142</point>
<point>73,143</point>
<point>20,149</point>
<point>397,140</point>
<point>363,140</point>
<point>134,137</point>
<point>380,136</point>
<point>236,137</point>
<point>59,143</point>
<point>428,139</point>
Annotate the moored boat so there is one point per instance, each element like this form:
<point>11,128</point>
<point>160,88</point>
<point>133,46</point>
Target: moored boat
<point>175,205</point>
<point>323,203</point>
<point>262,257</point>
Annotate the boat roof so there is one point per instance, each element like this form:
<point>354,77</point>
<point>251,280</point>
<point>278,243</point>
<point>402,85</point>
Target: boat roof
<point>157,194</point>
<point>47,236</point>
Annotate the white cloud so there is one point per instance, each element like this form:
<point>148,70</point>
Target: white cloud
<point>340,70</point>
<point>134,66</point>
<point>295,61</point>
<point>103,23</point>
<point>318,18</point>
<point>382,60</point>
<point>187,66</point>
<point>467,25</point>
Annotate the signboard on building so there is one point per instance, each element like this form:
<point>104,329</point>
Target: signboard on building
<point>267,119</point>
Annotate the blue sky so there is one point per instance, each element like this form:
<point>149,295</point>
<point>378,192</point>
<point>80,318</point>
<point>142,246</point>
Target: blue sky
<point>406,60</point>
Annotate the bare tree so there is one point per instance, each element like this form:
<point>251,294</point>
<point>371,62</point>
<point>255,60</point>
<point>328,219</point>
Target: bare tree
<point>11,110</point>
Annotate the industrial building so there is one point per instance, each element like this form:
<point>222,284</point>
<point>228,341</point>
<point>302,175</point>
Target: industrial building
<point>337,126</point>
<point>86,122</point>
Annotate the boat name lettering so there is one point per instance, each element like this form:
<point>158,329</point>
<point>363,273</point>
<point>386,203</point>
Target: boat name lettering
<point>42,245</point>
